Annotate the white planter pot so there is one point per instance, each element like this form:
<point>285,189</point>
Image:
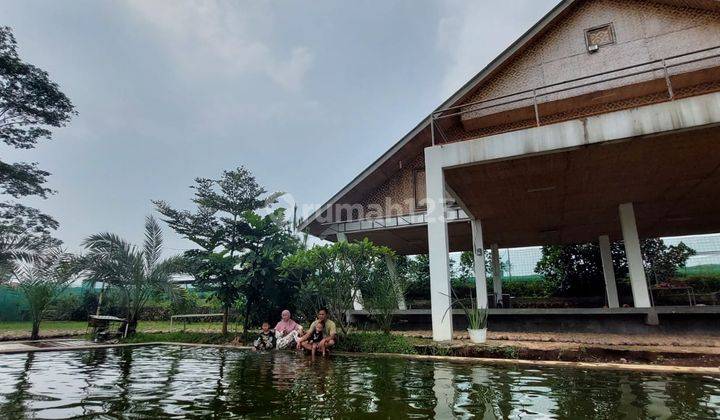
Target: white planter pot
<point>478,336</point>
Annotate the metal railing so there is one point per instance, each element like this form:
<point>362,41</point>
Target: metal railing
<point>658,65</point>
<point>453,214</point>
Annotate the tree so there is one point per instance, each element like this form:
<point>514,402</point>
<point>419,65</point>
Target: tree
<point>30,104</point>
<point>331,275</point>
<point>384,290</point>
<point>267,241</point>
<point>662,261</point>
<point>24,235</point>
<point>137,273</point>
<point>417,272</point>
<point>576,270</point>
<point>239,248</point>
<point>42,281</point>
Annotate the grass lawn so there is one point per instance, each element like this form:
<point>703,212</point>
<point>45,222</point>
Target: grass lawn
<point>48,327</point>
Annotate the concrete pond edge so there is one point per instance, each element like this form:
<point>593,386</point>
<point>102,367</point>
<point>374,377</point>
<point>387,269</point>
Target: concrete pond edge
<point>634,367</point>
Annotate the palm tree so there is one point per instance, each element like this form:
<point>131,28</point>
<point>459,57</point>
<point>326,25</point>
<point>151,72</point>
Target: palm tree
<point>137,273</point>
<point>14,250</point>
<point>42,281</point>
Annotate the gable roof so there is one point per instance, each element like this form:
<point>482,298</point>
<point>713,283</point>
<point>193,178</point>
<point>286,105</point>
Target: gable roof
<point>539,28</point>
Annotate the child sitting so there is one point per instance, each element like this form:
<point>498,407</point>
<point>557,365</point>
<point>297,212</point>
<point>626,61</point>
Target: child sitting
<point>314,339</point>
<point>266,339</point>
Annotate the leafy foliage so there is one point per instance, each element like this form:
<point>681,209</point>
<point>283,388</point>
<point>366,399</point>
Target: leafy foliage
<point>266,244</point>
<point>42,282</point>
<point>178,337</point>
<point>417,273</point>
<point>240,249</point>
<point>476,316</point>
<point>137,273</point>
<point>332,275</point>
<point>375,342</point>
<point>30,104</point>
<point>383,292</point>
<point>24,233</point>
<point>576,270</point>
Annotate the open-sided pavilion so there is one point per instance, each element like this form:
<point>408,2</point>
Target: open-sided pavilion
<point>601,123</point>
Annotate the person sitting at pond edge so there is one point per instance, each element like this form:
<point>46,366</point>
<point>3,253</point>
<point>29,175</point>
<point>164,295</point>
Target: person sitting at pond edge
<point>329,331</point>
<point>266,339</point>
<point>315,339</point>
<point>287,331</point>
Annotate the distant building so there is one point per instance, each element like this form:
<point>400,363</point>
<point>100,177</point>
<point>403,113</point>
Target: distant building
<point>600,123</point>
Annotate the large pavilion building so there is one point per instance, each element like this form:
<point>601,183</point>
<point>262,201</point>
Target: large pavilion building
<point>599,124</point>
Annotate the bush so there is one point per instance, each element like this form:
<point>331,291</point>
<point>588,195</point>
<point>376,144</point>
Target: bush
<point>382,294</point>
<point>531,287</point>
<point>335,272</point>
<point>375,342</point>
<point>702,284</point>
<point>179,337</point>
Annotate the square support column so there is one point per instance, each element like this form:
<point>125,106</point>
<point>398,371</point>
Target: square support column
<point>608,272</point>
<point>641,295</point>
<point>438,247</point>
<point>479,264</point>
<point>497,274</point>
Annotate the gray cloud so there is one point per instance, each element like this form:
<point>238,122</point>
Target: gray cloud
<point>306,94</point>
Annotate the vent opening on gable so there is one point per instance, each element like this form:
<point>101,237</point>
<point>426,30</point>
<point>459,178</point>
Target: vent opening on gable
<point>598,36</point>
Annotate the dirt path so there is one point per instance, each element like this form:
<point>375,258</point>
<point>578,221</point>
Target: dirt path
<point>554,340</point>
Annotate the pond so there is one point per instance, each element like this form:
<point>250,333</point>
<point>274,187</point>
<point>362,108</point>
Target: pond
<point>181,382</point>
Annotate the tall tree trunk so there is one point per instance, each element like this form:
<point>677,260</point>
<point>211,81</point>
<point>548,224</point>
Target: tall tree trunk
<point>35,334</point>
<point>132,325</point>
<point>246,321</point>
<point>226,313</point>
<point>100,299</point>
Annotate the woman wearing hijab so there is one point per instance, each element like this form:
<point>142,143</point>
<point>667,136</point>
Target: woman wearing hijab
<point>287,331</point>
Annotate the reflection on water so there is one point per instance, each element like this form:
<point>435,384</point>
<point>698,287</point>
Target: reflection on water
<point>170,381</point>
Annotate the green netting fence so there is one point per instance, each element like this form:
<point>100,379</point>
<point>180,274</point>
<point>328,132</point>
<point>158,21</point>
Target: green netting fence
<point>518,264</point>
<point>13,306</point>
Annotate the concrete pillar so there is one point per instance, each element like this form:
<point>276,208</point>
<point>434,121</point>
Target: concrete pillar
<point>497,274</point>
<point>357,300</point>
<point>439,248</point>
<point>608,272</point>
<point>479,264</point>
<point>444,391</point>
<point>641,295</point>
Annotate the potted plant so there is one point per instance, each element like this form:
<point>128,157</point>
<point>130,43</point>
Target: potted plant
<point>477,319</point>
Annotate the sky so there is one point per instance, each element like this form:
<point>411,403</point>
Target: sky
<point>306,94</point>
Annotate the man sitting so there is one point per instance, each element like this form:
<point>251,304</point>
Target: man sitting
<point>329,332</point>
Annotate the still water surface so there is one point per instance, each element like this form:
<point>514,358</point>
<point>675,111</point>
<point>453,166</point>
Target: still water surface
<point>181,382</point>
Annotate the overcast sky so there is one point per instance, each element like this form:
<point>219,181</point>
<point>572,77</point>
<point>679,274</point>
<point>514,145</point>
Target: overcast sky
<point>304,93</point>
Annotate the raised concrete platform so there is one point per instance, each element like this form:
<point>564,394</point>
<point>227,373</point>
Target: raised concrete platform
<point>570,311</point>
<point>671,319</point>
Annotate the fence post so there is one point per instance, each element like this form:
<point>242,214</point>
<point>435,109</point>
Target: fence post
<point>667,81</point>
<point>535,105</point>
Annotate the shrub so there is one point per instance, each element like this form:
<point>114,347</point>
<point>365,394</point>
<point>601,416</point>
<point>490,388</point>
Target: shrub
<point>336,272</point>
<point>178,337</point>
<point>382,294</point>
<point>702,284</point>
<point>375,342</point>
